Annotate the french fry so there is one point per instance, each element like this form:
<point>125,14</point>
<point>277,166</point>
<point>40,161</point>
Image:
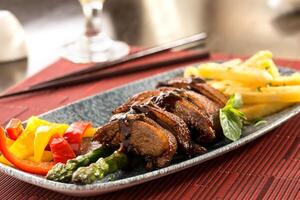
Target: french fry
<point>191,71</point>
<point>232,62</point>
<point>246,75</point>
<point>223,85</point>
<point>282,89</point>
<point>236,89</point>
<point>257,80</point>
<point>263,60</point>
<point>261,55</point>
<point>257,111</point>
<point>219,85</point>
<point>268,65</point>
<point>293,79</point>
<point>270,97</point>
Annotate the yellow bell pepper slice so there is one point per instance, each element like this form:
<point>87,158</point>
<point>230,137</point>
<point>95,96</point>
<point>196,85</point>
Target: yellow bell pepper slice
<point>43,135</point>
<point>9,141</point>
<point>47,157</point>
<point>89,132</point>
<point>23,146</point>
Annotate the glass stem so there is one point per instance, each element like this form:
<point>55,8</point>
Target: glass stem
<point>92,10</point>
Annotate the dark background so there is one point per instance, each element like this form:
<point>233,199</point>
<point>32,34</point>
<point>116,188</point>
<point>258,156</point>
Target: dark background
<point>234,27</point>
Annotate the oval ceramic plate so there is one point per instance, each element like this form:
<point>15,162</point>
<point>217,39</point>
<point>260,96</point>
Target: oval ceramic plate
<point>98,110</point>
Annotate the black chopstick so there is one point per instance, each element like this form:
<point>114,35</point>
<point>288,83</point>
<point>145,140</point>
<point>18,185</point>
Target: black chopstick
<point>134,56</point>
<point>102,74</point>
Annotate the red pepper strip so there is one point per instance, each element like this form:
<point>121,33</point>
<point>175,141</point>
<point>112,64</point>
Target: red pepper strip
<point>41,168</point>
<point>61,149</point>
<point>14,128</point>
<point>74,134</point>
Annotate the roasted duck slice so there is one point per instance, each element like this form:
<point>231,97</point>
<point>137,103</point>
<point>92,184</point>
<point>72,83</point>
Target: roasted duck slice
<point>136,99</point>
<point>141,135</point>
<point>172,123</point>
<point>173,100</point>
<point>202,102</point>
<point>198,85</point>
<point>194,117</point>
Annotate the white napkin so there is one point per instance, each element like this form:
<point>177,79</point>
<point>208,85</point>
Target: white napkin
<point>12,38</point>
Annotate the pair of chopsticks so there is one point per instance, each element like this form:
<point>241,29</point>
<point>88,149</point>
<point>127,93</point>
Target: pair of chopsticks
<point>110,69</point>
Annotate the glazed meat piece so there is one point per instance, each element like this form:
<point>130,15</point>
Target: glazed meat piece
<point>198,85</point>
<point>141,135</point>
<point>174,101</point>
<point>174,124</point>
<point>194,117</point>
<point>136,99</point>
<point>202,102</point>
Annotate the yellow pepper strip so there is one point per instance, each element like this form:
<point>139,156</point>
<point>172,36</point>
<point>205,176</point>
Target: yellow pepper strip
<point>47,157</point>
<point>23,146</point>
<point>89,132</point>
<point>9,141</point>
<point>43,135</point>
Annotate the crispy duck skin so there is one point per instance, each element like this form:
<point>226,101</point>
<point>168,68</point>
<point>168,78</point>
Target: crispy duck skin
<point>202,102</point>
<point>210,107</point>
<point>194,117</point>
<point>136,99</point>
<point>198,85</point>
<point>172,100</point>
<point>141,135</point>
<point>172,123</point>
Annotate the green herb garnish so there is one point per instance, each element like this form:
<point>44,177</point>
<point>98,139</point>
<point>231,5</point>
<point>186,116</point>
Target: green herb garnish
<point>231,118</point>
<point>258,122</point>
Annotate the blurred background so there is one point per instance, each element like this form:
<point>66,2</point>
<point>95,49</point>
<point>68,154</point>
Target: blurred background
<point>233,26</point>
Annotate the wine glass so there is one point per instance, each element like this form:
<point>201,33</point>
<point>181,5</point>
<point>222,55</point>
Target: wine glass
<point>94,45</point>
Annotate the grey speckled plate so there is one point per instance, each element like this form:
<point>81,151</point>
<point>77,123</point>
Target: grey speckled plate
<point>98,110</point>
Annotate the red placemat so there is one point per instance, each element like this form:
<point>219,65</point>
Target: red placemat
<point>268,168</point>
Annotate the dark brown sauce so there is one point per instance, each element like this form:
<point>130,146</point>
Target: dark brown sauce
<point>125,126</point>
<point>125,129</point>
<point>167,100</point>
<point>192,80</point>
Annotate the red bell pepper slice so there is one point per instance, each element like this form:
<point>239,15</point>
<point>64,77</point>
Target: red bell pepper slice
<point>41,168</point>
<point>74,134</point>
<point>61,149</point>
<point>14,128</point>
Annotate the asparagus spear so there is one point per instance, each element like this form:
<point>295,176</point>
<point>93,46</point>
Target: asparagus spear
<point>63,172</point>
<point>96,171</point>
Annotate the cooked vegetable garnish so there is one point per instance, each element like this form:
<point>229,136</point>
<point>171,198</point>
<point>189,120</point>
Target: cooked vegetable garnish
<point>29,148</point>
<point>74,134</point>
<point>232,119</point>
<point>40,168</point>
<point>14,128</point>
<point>42,137</point>
<point>63,172</point>
<point>96,171</point>
<point>61,149</point>
<point>24,145</point>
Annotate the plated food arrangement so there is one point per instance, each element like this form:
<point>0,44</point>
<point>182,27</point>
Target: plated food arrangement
<point>184,116</point>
